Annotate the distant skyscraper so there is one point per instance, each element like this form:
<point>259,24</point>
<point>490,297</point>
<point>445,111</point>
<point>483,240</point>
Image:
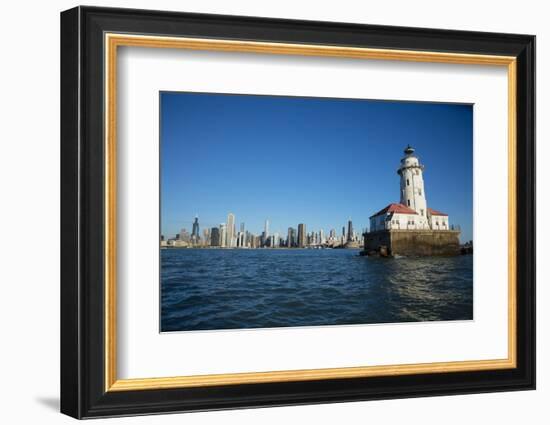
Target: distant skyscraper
<point>223,235</point>
<point>258,241</point>
<point>230,238</point>
<point>322,236</point>
<point>350,231</point>
<point>184,235</point>
<point>241,237</point>
<point>206,237</point>
<point>195,232</point>
<point>266,229</point>
<point>291,238</point>
<point>302,237</point>
<point>214,236</point>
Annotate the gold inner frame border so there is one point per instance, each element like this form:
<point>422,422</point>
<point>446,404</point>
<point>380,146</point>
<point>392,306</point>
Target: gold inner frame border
<point>113,40</point>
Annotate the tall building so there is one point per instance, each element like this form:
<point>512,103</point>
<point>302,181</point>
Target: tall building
<point>206,237</point>
<point>230,235</point>
<point>195,232</point>
<point>302,237</point>
<point>184,235</point>
<point>350,231</point>
<point>223,235</point>
<point>322,239</point>
<point>291,238</point>
<point>214,236</point>
<point>265,239</point>
<point>258,241</point>
<point>241,237</point>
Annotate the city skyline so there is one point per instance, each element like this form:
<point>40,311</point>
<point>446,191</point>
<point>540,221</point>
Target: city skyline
<point>305,160</point>
<point>225,235</point>
<point>189,224</point>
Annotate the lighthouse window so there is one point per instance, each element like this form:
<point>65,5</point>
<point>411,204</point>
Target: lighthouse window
<point>407,182</point>
<point>408,202</point>
<point>420,192</point>
<point>416,171</point>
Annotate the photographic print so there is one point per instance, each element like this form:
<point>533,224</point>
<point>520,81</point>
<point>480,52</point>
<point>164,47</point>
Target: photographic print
<point>281,211</point>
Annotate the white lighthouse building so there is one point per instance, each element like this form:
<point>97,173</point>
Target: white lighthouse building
<point>412,212</point>
<point>412,186</point>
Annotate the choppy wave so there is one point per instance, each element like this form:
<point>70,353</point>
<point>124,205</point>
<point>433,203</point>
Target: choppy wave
<point>203,289</point>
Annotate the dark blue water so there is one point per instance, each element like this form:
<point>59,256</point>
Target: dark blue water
<point>262,288</point>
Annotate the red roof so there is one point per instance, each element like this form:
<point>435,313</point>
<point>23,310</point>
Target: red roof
<point>395,208</point>
<point>434,212</point>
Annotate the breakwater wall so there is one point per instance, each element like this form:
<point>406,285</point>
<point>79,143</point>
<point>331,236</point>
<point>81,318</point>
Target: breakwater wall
<point>412,242</point>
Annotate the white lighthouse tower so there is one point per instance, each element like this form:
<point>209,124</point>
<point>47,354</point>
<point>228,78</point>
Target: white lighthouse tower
<point>412,213</point>
<point>412,187</point>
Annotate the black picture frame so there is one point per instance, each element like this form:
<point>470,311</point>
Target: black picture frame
<point>83,392</point>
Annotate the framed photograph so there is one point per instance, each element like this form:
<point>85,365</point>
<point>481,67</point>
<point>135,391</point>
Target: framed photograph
<point>261,212</point>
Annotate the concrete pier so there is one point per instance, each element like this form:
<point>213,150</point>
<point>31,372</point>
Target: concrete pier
<point>412,242</point>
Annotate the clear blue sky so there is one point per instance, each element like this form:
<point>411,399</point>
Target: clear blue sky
<point>317,161</point>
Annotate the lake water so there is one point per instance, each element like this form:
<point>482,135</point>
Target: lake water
<point>205,289</point>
